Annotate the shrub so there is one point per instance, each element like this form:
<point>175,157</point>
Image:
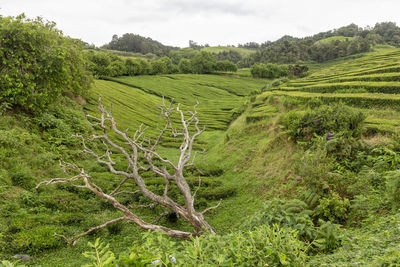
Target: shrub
<point>22,178</point>
<point>393,188</point>
<point>333,208</point>
<point>16,138</point>
<point>39,63</point>
<point>269,70</point>
<point>263,246</point>
<point>225,65</point>
<point>326,120</point>
<point>285,213</point>
<point>185,66</point>
<point>297,70</point>
<point>36,240</point>
<point>203,63</point>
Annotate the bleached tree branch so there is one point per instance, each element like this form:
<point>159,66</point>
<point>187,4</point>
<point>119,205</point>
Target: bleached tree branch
<point>140,154</point>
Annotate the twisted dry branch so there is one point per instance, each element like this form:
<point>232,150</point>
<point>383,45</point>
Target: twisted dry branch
<point>135,150</point>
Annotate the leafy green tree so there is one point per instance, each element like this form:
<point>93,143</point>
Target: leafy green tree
<point>145,66</point>
<point>185,66</point>
<point>99,63</point>
<point>38,63</point>
<point>225,65</point>
<point>133,67</point>
<point>136,43</point>
<point>158,67</point>
<point>232,56</point>
<point>177,55</point>
<point>203,62</point>
<point>168,66</point>
<point>117,67</point>
<point>269,70</point>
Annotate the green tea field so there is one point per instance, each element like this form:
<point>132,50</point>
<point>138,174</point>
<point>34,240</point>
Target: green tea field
<point>371,83</point>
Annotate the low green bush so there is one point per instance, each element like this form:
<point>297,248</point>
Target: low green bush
<point>263,246</point>
<point>326,120</point>
<point>393,188</point>
<point>36,240</point>
<point>269,70</point>
<point>22,178</point>
<point>333,208</point>
<point>286,213</point>
<point>322,236</point>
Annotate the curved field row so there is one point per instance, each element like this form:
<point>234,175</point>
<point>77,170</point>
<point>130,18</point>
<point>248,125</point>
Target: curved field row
<point>388,62</point>
<point>382,109</point>
<point>363,100</point>
<point>371,87</point>
<point>378,72</point>
<point>135,99</point>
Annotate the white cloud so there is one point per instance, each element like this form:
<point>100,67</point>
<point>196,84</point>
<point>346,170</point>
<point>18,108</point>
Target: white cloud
<point>174,22</point>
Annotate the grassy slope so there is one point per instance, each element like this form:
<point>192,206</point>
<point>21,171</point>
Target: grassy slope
<point>256,157</point>
<point>334,38</point>
<point>58,209</point>
<point>260,160</point>
<point>370,81</point>
<point>219,96</point>
<point>219,49</point>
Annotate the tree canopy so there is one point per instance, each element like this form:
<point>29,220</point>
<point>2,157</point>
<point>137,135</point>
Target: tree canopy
<point>135,43</point>
<point>39,63</point>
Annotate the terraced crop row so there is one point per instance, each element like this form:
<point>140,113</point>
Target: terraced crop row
<point>372,87</point>
<point>388,62</point>
<point>135,99</point>
<point>375,103</point>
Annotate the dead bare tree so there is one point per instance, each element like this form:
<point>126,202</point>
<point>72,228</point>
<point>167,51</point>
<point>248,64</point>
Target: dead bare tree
<point>140,154</point>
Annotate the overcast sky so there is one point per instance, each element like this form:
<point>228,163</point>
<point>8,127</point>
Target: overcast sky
<point>216,22</point>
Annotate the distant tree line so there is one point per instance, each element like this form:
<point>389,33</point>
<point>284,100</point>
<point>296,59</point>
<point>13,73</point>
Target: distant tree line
<point>130,42</point>
<point>289,49</point>
<point>272,71</point>
<point>286,50</point>
<point>106,64</point>
<point>160,59</point>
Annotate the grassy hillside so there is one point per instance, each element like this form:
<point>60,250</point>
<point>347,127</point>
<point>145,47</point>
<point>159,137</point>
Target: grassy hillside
<point>30,218</point>
<point>293,155</point>
<point>220,97</point>
<point>218,49</point>
<point>372,81</point>
<point>334,38</point>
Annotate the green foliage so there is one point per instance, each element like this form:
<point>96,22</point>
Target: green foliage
<point>11,264</point>
<point>203,63</point>
<point>295,214</point>
<point>329,237</point>
<point>162,66</point>
<point>39,64</point>
<point>4,106</point>
<point>286,213</point>
<point>101,256</point>
<point>325,120</point>
<point>297,70</point>
<point>106,64</point>
<point>393,188</point>
<point>231,55</point>
<point>269,70</point>
<point>22,177</point>
<point>36,240</point>
<point>185,66</point>
<point>225,65</point>
<point>262,246</point>
<point>136,43</point>
<point>333,208</point>
<point>376,243</point>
